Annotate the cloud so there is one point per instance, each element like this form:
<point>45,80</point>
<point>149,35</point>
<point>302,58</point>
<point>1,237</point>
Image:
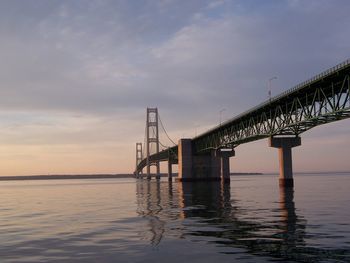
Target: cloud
<point>106,61</point>
<point>227,61</point>
<point>88,58</point>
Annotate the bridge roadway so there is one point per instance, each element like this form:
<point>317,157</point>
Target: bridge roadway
<point>322,99</point>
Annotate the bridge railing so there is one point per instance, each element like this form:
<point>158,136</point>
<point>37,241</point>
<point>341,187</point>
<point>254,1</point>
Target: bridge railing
<point>283,94</point>
<point>306,105</point>
<point>313,79</point>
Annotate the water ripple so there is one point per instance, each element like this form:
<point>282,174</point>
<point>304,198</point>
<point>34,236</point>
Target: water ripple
<point>112,221</point>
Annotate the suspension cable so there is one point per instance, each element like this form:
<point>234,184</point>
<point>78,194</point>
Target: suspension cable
<point>166,147</point>
<point>161,123</point>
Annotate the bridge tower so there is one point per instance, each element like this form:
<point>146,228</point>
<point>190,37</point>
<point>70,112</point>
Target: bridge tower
<point>138,157</point>
<point>152,138</point>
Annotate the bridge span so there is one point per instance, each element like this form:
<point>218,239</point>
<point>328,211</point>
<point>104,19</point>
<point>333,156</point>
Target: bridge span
<point>322,99</point>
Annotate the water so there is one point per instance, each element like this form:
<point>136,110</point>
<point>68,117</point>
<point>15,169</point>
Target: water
<point>124,220</point>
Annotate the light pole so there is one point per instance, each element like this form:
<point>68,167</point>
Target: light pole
<point>221,111</point>
<point>269,86</point>
<point>195,131</point>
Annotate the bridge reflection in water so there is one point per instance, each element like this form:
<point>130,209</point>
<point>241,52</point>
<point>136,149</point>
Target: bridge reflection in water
<point>207,212</point>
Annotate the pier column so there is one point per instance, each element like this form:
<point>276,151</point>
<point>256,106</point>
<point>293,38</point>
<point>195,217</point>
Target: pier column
<point>285,145</point>
<point>213,165</point>
<point>185,160</point>
<point>158,173</point>
<point>225,155</point>
<point>170,171</point>
<point>149,172</point>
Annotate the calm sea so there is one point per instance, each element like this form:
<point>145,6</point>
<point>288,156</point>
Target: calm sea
<point>125,220</point>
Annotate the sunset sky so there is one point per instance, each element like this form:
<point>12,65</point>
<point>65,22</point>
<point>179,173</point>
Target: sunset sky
<point>77,77</point>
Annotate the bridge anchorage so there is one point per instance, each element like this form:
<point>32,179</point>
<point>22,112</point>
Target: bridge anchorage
<point>322,99</point>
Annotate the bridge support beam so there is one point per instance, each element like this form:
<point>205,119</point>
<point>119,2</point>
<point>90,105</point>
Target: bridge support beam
<point>204,167</point>
<point>285,145</point>
<point>170,170</point>
<point>225,155</point>
<point>185,159</point>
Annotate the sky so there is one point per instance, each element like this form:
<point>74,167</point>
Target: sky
<point>77,77</point>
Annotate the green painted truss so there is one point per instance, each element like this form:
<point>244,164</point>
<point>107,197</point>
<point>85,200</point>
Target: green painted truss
<point>323,99</point>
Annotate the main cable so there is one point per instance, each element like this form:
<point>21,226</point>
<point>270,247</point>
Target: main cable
<point>161,123</point>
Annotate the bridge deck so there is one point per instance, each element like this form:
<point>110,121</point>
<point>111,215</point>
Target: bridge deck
<point>322,99</point>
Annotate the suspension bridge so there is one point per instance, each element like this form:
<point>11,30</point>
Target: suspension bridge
<point>322,99</point>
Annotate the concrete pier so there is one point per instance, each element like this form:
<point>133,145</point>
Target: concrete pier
<point>156,175</point>
<point>206,167</point>
<point>210,166</point>
<point>170,171</point>
<point>185,159</point>
<point>285,145</point>
<point>225,155</point>
<point>203,167</point>
<point>149,176</point>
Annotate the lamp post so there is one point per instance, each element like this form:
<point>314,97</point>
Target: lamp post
<point>195,131</point>
<point>221,111</point>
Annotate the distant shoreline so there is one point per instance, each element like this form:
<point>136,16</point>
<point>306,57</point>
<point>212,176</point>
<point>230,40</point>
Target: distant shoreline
<point>67,176</point>
<point>84,176</point>
<point>120,176</point>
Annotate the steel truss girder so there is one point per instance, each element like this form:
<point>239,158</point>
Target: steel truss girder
<point>323,99</point>
<point>327,102</point>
